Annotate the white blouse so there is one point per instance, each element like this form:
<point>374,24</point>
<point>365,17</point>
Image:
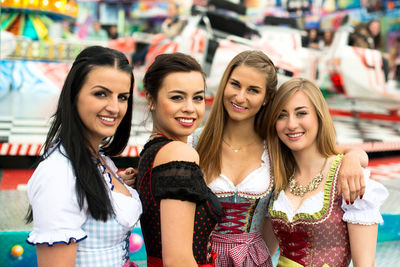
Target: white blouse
<point>256,183</point>
<point>56,213</point>
<point>363,211</point>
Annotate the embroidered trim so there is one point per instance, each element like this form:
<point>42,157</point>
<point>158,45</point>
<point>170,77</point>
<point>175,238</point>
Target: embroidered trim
<point>329,196</point>
<point>105,175</point>
<point>250,195</point>
<point>244,194</point>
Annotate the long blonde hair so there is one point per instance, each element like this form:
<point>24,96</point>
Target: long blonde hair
<point>283,162</point>
<point>210,143</point>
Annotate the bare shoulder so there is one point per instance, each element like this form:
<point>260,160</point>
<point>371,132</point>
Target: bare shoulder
<point>176,151</point>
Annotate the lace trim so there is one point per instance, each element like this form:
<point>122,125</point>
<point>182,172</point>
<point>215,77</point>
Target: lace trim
<point>50,244</point>
<point>106,175</point>
<point>187,165</point>
<point>329,194</point>
<point>264,159</point>
<point>244,194</point>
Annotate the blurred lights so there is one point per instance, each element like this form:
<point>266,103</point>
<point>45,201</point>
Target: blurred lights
<point>62,7</point>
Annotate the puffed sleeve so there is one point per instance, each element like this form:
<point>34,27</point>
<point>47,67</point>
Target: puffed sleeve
<point>179,180</point>
<point>366,210</point>
<point>57,217</point>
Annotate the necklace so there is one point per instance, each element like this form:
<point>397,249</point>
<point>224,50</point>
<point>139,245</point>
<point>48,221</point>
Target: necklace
<point>299,190</point>
<point>237,149</point>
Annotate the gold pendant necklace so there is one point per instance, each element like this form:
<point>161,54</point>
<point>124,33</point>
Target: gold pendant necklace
<point>236,149</point>
<point>299,190</point>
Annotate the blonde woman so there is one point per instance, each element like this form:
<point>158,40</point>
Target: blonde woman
<point>308,216</point>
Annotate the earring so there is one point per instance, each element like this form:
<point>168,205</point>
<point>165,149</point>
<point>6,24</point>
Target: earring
<point>264,103</point>
<point>151,108</point>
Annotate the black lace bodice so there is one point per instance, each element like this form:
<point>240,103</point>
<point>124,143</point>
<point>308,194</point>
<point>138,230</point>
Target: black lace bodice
<point>179,180</point>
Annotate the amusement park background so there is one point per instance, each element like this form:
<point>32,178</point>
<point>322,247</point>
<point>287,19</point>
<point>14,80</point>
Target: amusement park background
<point>40,38</point>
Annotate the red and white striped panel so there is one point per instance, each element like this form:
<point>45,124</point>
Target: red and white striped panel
<point>19,149</point>
<point>385,168</point>
<point>15,149</point>
<point>375,146</point>
<point>131,151</point>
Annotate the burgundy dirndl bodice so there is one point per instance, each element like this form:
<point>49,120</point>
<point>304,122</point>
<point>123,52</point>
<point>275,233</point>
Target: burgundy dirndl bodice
<point>319,238</point>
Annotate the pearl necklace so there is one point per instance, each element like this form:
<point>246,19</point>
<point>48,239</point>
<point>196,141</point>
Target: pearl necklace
<point>299,190</point>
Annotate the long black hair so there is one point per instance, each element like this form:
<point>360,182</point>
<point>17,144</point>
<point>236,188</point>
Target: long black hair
<point>67,130</point>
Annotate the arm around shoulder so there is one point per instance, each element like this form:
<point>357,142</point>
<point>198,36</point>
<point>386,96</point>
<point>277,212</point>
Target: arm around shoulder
<point>351,178</point>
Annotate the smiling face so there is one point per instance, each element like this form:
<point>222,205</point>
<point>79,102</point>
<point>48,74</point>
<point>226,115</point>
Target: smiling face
<point>244,93</point>
<point>297,124</point>
<point>102,102</point>
<point>180,105</point>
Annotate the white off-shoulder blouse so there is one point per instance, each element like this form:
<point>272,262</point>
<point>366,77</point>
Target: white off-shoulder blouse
<point>56,214</point>
<point>363,211</point>
<point>256,184</point>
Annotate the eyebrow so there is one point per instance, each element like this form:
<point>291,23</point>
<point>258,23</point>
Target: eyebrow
<point>184,92</point>
<point>108,90</point>
<point>251,86</point>
<point>296,109</point>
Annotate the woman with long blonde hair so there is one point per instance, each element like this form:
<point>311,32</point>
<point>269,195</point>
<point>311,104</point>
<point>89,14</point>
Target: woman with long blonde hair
<point>308,216</point>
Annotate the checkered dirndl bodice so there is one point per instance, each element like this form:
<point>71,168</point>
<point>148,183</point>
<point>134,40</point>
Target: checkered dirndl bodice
<point>106,245</point>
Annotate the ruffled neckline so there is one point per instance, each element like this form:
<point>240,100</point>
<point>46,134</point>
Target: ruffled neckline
<point>328,191</point>
<point>222,186</point>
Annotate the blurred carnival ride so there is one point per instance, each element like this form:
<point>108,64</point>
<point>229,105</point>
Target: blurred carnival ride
<point>32,18</point>
<point>32,72</point>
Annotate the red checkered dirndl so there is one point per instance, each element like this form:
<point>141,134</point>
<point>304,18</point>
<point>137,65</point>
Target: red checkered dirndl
<point>240,250</point>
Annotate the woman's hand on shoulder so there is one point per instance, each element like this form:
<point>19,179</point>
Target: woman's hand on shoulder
<point>176,151</point>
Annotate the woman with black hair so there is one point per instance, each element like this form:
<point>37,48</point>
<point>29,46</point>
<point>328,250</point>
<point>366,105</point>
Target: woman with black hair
<point>82,211</point>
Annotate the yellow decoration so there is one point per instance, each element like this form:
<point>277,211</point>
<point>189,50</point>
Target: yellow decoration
<point>17,251</point>
<point>286,262</point>
<point>40,28</point>
<point>64,7</point>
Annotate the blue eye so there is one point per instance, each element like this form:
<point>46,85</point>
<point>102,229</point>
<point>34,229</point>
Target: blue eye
<point>255,91</point>
<point>235,84</point>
